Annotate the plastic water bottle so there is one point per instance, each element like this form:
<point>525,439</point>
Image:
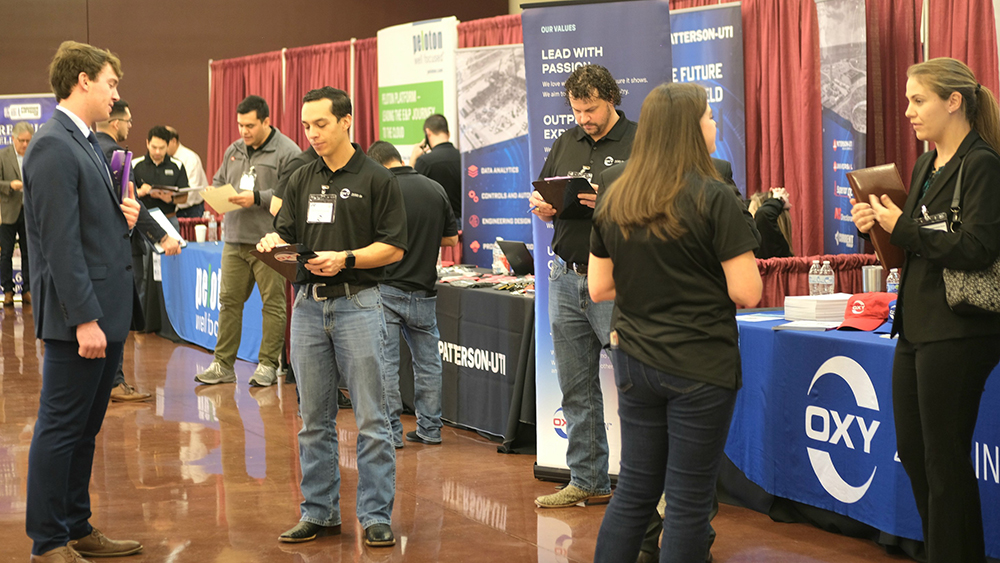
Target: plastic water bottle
<point>222,228</point>
<point>814,278</point>
<point>892,282</point>
<point>213,229</point>
<point>826,279</point>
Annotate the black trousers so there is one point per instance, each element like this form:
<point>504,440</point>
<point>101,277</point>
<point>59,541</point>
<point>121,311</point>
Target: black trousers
<point>8,234</point>
<point>936,389</point>
<point>75,394</point>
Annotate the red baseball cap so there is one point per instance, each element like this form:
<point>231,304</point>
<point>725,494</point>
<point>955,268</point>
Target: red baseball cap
<point>867,311</point>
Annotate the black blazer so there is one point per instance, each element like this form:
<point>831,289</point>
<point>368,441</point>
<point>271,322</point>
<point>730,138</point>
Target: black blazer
<point>78,239</point>
<point>922,313</point>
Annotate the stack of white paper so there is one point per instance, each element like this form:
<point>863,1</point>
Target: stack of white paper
<point>816,307</point>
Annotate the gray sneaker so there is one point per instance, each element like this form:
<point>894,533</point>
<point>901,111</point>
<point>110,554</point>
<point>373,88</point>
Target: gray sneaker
<point>216,373</point>
<point>264,376</point>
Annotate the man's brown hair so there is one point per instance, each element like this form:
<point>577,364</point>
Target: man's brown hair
<point>71,59</point>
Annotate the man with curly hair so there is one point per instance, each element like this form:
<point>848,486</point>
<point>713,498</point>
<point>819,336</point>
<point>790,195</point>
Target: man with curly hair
<point>580,327</point>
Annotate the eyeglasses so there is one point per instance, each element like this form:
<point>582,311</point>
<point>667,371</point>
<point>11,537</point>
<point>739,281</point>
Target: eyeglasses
<point>129,121</point>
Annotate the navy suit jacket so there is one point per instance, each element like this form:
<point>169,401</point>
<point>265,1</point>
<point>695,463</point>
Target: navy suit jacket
<point>78,239</point>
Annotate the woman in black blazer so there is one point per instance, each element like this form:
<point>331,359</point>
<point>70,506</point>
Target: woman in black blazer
<point>942,358</point>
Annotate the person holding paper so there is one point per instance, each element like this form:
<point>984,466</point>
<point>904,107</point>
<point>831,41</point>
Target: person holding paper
<point>348,209</point>
<point>943,358</point>
<point>580,326</point>
<point>78,228</point>
<point>672,249</point>
<point>159,169</point>
<point>251,165</point>
<point>194,206</point>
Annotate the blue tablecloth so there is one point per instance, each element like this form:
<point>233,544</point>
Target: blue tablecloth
<point>813,423</point>
<point>191,283</point>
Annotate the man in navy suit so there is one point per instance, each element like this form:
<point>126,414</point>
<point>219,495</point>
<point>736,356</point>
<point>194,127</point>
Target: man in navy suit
<point>78,241</point>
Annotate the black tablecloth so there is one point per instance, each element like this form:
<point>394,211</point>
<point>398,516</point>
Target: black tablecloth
<point>487,343</point>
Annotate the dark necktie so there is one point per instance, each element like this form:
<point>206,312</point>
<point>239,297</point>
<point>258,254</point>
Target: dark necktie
<point>100,153</point>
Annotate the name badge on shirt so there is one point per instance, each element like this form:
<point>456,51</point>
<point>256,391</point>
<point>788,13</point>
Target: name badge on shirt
<point>168,172</point>
<point>248,180</point>
<point>322,207</point>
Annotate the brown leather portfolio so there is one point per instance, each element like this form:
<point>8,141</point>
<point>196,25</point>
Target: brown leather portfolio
<point>879,180</point>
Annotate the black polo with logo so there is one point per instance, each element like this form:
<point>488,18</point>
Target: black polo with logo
<point>170,172</point>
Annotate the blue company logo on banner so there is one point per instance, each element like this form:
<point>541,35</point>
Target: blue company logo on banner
<point>707,48</point>
<point>828,426</point>
<point>206,301</point>
<point>33,108</point>
<point>841,154</point>
<point>495,202</point>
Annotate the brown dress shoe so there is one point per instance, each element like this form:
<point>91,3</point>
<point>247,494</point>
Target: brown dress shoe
<point>64,554</point>
<point>125,393</point>
<point>8,299</point>
<point>98,545</point>
<point>26,298</point>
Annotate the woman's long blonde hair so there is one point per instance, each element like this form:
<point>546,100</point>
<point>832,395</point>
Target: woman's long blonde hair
<point>944,76</point>
<point>669,145</point>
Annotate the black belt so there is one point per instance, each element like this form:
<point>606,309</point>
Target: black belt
<point>577,267</point>
<point>322,291</point>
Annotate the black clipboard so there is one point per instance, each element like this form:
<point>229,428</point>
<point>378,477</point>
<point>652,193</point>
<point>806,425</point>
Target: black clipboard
<point>561,193</point>
<point>285,259</point>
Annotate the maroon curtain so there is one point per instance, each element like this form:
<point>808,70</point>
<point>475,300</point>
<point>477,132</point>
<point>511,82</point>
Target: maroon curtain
<point>790,276</point>
<point>783,111</point>
<point>501,30</point>
<point>893,46</point>
<point>307,68</point>
<point>233,80</point>
<point>965,30</point>
<point>685,4</point>
<point>366,92</point>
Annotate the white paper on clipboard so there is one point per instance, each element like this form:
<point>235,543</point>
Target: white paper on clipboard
<point>161,219</point>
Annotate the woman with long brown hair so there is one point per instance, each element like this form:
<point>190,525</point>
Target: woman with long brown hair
<point>943,358</point>
<point>671,246</point>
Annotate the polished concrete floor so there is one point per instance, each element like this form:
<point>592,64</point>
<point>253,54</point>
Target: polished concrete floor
<point>210,474</point>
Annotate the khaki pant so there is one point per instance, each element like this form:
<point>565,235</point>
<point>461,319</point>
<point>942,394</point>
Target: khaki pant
<point>240,270</point>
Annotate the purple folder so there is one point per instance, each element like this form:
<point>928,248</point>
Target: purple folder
<point>121,164</point>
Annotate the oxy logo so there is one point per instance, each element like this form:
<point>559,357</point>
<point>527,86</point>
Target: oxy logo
<point>473,171</point>
<point>818,427</point>
<point>206,289</point>
<point>559,424</point>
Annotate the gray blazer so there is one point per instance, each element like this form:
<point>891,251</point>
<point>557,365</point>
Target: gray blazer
<point>10,200</point>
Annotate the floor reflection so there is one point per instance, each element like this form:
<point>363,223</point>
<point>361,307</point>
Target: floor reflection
<point>211,473</point>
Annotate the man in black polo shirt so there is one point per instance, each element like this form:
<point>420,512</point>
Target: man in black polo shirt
<point>580,328</point>
<point>409,297</point>
<point>348,210</point>
<point>439,160</point>
<point>159,169</point>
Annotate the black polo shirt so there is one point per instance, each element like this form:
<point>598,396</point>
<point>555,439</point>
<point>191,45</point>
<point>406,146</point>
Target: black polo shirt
<point>444,165</point>
<point>369,209</point>
<point>170,172</point>
<point>571,151</point>
<point>429,218</point>
<point>292,165</point>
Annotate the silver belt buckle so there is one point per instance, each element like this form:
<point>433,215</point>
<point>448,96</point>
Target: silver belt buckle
<point>315,295</point>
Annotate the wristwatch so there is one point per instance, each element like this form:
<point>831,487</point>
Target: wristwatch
<point>349,260</point>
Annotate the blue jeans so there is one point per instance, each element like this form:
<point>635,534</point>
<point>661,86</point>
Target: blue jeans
<point>580,328</point>
<point>414,313</point>
<point>334,340</point>
<point>674,432</point>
